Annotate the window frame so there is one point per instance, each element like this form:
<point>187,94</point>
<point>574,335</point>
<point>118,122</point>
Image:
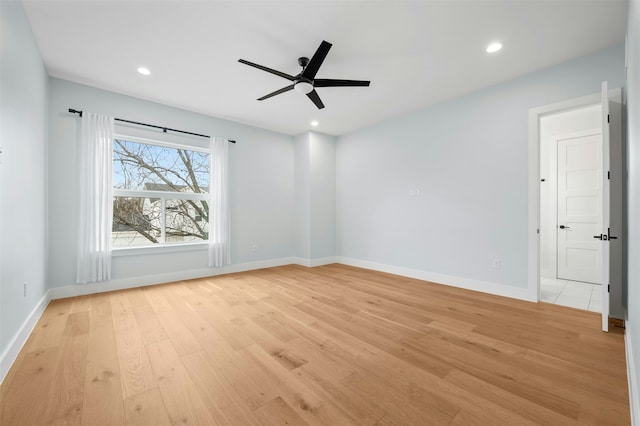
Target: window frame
<point>162,245</point>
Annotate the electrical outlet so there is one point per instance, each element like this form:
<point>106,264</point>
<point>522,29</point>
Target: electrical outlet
<point>254,247</point>
<point>24,289</point>
<point>496,264</point>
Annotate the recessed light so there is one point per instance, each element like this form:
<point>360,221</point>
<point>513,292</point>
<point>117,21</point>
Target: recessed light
<point>144,71</point>
<point>494,47</point>
<point>314,123</point>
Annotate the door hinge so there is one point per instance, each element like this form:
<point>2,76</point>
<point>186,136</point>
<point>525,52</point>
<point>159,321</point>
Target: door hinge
<point>608,119</point>
<point>608,288</point>
<point>608,175</point>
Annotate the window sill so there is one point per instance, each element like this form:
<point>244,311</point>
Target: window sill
<point>165,248</point>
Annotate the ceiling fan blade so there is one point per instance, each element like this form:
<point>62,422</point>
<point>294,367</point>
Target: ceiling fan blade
<point>270,70</point>
<point>313,95</point>
<point>328,82</point>
<point>277,92</point>
<point>313,66</point>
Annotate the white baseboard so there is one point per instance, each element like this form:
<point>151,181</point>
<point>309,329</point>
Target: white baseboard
<point>311,263</point>
<point>634,403</point>
<point>146,280</point>
<point>450,280</point>
<point>10,354</point>
<point>126,283</point>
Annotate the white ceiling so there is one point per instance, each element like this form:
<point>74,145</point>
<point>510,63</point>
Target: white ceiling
<point>415,53</point>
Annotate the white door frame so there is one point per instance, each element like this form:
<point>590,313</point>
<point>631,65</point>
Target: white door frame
<point>606,204</point>
<point>535,114</point>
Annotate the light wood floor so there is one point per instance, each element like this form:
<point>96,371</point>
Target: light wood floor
<point>332,345</point>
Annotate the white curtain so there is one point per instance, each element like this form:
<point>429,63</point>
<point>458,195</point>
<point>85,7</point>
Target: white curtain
<point>219,227</point>
<point>96,201</point>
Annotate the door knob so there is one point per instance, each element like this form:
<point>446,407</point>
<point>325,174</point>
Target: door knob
<point>564,227</point>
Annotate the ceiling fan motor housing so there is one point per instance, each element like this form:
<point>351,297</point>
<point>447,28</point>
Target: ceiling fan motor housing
<point>305,82</point>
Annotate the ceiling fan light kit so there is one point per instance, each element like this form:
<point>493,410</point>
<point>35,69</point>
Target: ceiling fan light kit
<point>305,82</point>
<point>303,87</point>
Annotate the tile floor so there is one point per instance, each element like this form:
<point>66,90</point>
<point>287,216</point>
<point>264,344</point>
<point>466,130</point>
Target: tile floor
<point>574,294</point>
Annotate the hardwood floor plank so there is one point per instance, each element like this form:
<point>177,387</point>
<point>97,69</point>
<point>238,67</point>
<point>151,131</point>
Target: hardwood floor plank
<point>221,399</point>
<point>80,304</point>
<point>253,289</point>
<point>51,327</point>
<point>233,329</point>
<point>65,397</point>
<point>250,382</point>
<point>123,317</point>
<point>103,402</point>
<point>595,414</point>
<point>289,309</point>
<point>146,409</point>
<point>481,418</point>
<point>77,324</point>
<point>278,412</point>
<point>309,406</point>
<point>281,351</point>
<point>31,383</point>
<point>182,339</point>
<point>415,408</point>
<point>325,357</point>
<point>525,408</point>
<point>504,376</point>
<point>272,321</point>
<point>135,369</point>
<point>101,311</point>
<point>157,301</point>
<point>359,410</point>
<point>147,321</point>
<point>592,382</point>
<point>152,335</point>
<point>181,399</point>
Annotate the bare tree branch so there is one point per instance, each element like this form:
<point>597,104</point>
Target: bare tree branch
<point>140,165</point>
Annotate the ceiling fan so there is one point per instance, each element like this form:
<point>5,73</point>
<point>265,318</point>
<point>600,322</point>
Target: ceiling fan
<point>305,82</point>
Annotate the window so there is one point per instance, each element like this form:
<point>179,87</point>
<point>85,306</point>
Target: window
<point>161,193</point>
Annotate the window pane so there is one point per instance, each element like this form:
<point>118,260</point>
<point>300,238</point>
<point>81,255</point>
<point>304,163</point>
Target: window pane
<point>186,221</point>
<point>136,221</point>
<point>139,166</point>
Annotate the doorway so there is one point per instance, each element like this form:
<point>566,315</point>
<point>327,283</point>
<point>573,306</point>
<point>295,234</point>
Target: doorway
<point>568,142</point>
<point>570,196</point>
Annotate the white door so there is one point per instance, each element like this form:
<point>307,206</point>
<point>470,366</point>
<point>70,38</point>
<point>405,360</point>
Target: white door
<point>579,211</point>
<point>604,233</point>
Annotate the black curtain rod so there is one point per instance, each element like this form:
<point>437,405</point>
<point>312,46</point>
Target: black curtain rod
<point>164,129</point>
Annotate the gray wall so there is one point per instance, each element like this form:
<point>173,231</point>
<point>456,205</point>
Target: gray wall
<point>468,158</point>
<point>302,197</point>
<point>23,171</point>
<point>315,194</point>
<point>633,188</point>
<point>323,195</point>
<point>261,185</point>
